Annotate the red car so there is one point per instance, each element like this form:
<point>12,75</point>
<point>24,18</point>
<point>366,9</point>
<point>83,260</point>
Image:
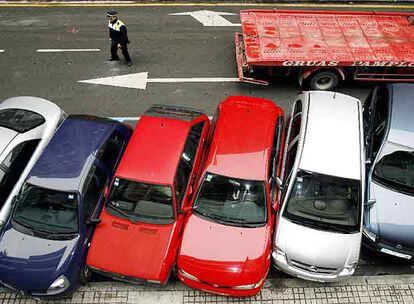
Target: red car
<point>139,234</point>
<point>226,243</point>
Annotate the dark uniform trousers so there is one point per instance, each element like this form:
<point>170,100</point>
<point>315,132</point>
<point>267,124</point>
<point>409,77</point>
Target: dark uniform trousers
<point>124,49</point>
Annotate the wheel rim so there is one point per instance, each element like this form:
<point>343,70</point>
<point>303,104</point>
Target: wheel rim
<point>324,83</point>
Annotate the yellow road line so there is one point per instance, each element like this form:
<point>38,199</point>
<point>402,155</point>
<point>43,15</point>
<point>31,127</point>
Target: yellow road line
<point>121,4</point>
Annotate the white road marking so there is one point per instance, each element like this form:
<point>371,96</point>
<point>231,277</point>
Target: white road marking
<point>139,80</point>
<point>66,50</point>
<point>209,18</point>
<point>1,51</point>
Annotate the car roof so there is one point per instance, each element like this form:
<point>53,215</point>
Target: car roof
<point>71,152</point>
<point>45,108</point>
<point>401,129</point>
<point>154,150</point>
<point>332,137</point>
<point>39,105</point>
<point>242,136</point>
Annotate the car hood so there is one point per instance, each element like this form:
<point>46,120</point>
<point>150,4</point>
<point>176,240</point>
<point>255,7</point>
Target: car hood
<point>6,136</point>
<point>316,247</point>
<point>31,263</point>
<point>137,250</point>
<point>391,217</point>
<point>224,255</point>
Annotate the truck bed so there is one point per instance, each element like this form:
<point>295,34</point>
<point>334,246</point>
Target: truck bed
<point>316,38</point>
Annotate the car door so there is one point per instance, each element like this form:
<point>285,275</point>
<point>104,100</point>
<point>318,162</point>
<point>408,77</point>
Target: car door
<point>13,165</point>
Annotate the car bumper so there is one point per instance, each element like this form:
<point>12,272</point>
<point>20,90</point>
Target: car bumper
<point>41,295</point>
<point>224,291</point>
<point>387,249</point>
<point>282,264</point>
<point>128,279</point>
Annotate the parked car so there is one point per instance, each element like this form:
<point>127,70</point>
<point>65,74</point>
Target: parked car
<point>226,242</point>
<point>26,126</point>
<point>318,228</point>
<point>138,238</point>
<point>389,140</point>
<point>44,244</point>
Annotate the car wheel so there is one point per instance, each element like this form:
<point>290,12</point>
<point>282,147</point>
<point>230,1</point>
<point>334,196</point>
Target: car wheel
<point>85,275</point>
<point>324,81</point>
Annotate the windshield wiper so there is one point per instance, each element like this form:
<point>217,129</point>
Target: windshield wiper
<point>128,216</point>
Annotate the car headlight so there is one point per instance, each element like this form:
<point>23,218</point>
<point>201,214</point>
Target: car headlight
<point>279,255</point>
<point>369,234</point>
<point>187,275</point>
<point>249,286</point>
<point>349,269</point>
<point>59,285</point>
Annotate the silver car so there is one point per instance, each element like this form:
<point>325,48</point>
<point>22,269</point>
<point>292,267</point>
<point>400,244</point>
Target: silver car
<point>26,126</point>
<point>389,139</point>
<point>319,221</point>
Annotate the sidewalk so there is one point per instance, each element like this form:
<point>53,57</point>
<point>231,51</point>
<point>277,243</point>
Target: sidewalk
<point>382,289</point>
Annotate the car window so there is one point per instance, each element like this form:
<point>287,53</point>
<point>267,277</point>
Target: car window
<point>187,159</point>
<point>276,146</point>
<point>295,127</point>
<point>96,182</point>
<point>290,158</point>
<point>367,110</point>
<point>13,165</point>
<point>142,202</point>
<point>231,201</point>
<point>380,120</point>
<point>110,152</point>
<point>47,210</point>
<point>396,171</point>
<point>20,120</point>
<point>324,202</point>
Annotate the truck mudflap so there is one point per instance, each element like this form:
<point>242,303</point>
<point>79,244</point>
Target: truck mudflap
<point>242,63</point>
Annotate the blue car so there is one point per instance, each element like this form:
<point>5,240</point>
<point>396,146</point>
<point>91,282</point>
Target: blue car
<point>45,241</point>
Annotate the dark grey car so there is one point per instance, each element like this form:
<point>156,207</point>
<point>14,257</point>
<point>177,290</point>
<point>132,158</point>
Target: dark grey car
<point>389,140</point>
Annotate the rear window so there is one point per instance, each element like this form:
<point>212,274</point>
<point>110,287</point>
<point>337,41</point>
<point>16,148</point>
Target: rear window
<point>20,120</point>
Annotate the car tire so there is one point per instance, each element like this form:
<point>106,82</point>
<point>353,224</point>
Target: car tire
<point>323,81</point>
<point>85,275</point>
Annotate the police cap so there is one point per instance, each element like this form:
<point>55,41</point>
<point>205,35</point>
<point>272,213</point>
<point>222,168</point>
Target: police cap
<point>112,13</point>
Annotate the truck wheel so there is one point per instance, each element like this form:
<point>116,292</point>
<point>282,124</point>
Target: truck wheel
<point>324,81</point>
<point>85,275</point>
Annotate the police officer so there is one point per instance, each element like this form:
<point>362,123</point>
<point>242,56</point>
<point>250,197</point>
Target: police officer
<point>118,36</point>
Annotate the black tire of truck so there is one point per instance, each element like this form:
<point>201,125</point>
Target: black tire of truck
<point>323,81</point>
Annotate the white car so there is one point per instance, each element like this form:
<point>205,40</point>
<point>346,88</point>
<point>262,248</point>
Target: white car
<point>319,223</point>
<point>26,126</point>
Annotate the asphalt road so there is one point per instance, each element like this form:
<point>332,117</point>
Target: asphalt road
<point>162,45</point>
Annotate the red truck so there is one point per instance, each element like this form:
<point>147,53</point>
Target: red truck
<point>322,48</point>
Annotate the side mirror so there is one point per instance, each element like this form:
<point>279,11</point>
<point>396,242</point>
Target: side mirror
<point>371,201</point>
<point>279,183</point>
<point>93,221</point>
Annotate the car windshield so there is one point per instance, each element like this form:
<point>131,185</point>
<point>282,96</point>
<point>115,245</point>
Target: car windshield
<point>325,202</point>
<point>138,201</point>
<point>396,170</point>
<point>47,210</point>
<point>20,120</point>
<point>232,201</point>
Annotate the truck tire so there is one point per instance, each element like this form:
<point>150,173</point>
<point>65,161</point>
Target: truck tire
<point>323,81</point>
